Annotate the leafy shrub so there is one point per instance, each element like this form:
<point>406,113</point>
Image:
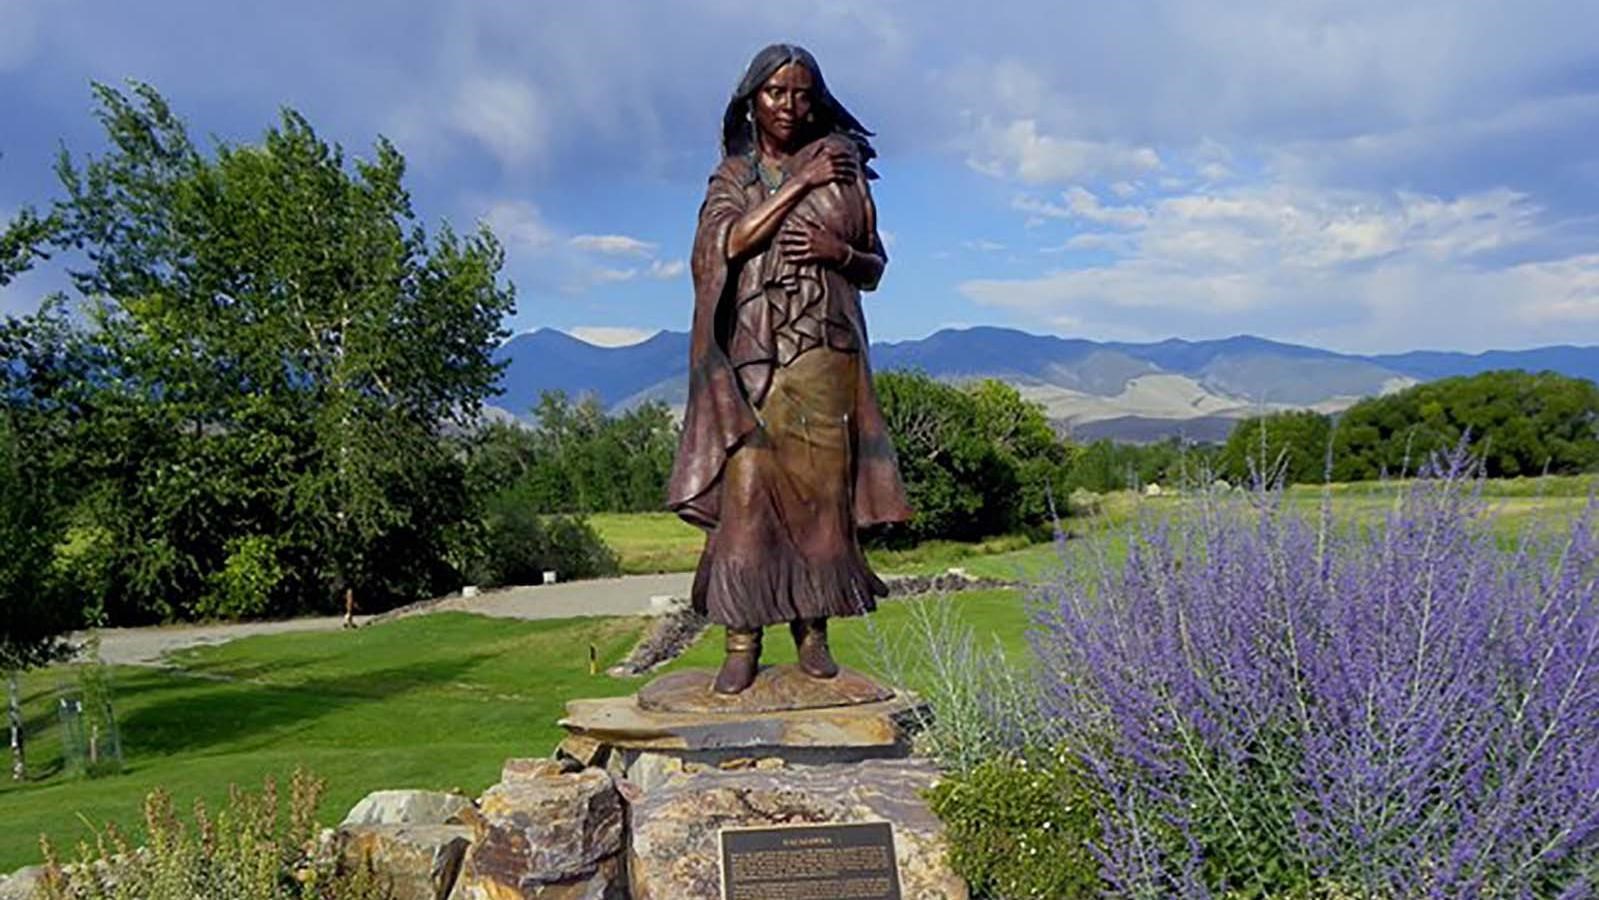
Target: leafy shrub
<point>976,459</point>
<point>1084,502</point>
<point>1519,423</point>
<point>250,850</point>
<point>243,587</point>
<point>1021,828</point>
<point>520,544</point>
<point>1274,706</point>
<point>1298,438</point>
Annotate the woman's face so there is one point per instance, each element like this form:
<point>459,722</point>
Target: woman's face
<point>783,104</point>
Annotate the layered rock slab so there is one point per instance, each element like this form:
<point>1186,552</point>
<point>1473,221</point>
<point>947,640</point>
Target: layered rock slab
<point>784,708</point>
<point>674,850</point>
<point>415,862</point>
<point>545,832</point>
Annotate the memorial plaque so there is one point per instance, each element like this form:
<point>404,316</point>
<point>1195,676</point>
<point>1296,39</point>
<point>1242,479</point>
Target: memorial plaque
<point>810,862</point>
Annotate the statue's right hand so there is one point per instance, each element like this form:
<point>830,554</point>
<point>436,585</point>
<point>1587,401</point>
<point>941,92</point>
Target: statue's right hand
<point>832,164</point>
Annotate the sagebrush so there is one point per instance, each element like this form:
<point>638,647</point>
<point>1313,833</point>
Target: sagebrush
<point>251,849</point>
<point>1271,704</point>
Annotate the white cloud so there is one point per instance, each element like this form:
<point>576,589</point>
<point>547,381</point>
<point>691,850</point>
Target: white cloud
<point>610,335</point>
<point>506,114</point>
<point>518,223</point>
<point>1565,291</point>
<point>982,245</point>
<point>666,271</point>
<point>1019,150</point>
<point>1082,204</point>
<point>612,276</point>
<point>1374,270</point>
<point>612,245</point>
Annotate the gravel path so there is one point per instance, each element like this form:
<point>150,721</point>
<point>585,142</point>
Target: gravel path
<point>629,595</point>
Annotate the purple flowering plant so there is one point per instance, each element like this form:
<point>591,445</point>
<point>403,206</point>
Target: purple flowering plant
<point>1278,703</point>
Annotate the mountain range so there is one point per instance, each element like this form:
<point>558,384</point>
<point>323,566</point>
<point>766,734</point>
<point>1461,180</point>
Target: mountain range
<point>1125,391</point>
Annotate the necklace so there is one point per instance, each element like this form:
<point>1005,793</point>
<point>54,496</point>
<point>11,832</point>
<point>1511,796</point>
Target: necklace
<point>767,180</point>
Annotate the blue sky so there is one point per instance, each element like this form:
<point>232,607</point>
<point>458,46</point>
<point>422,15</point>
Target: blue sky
<point>1363,176</point>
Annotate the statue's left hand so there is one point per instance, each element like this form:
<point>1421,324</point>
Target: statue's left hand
<point>802,241</point>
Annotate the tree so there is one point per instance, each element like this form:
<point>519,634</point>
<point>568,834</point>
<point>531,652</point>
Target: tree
<point>285,349</point>
<point>1293,443</point>
<point>976,460</point>
<point>1519,423</point>
<point>36,376</point>
<point>1106,465</point>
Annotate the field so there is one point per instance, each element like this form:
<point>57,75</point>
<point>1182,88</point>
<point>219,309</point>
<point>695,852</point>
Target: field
<point>439,701</point>
<point>660,542</point>
<point>428,702</point>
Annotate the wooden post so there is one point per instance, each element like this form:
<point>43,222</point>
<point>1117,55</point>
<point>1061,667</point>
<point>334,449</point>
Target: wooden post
<point>594,660</point>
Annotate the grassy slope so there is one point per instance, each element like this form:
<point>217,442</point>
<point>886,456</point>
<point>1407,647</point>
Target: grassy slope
<point>436,702</point>
<point>661,542</point>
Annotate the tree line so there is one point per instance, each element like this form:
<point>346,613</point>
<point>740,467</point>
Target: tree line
<point>1518,424</point>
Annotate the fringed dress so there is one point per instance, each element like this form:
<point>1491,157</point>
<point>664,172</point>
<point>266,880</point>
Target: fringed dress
<point>784,451</point>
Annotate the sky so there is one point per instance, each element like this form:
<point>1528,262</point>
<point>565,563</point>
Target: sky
<point>1361,176</point>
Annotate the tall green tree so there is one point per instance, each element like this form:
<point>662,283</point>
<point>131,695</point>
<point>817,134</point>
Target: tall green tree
<point>1292,444</point>
<point>38,376</point>
<point>579,459</point>
<point>287,348</point>
<point>977,459</point>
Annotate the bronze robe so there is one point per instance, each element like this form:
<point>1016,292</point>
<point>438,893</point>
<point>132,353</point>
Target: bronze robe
<point>784,452</point>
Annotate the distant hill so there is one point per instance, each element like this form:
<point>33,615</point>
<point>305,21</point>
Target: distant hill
<point>547,360</point>
<point>1126,391</point>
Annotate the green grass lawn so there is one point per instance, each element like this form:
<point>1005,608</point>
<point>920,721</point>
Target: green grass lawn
<point>661,542</point>
<point>433,701</point>
<point>436,701</point>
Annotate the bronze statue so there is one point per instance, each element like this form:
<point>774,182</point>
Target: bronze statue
<point>784,453</point>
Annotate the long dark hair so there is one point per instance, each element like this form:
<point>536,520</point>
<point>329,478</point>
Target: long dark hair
<point>738,125</point>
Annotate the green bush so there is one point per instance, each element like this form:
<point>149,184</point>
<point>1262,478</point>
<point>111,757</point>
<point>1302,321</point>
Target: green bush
<point>249,850</point>
<point>520,544</point>
<point>977,459</point>
<point>243,587</point>
<point>1021,827</point>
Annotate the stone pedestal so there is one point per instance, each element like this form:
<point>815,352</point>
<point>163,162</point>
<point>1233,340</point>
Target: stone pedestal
<point>677,722</point>
<point>791,749</point>
<point>673,847</point>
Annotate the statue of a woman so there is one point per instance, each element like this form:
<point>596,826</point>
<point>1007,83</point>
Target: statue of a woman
<point>784,453</point>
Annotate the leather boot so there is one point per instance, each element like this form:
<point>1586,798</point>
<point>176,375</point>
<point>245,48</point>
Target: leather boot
<point>810,639</point>
<point>742,661</point>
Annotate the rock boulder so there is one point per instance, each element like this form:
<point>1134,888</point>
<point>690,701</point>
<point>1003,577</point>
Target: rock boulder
<point>417,862</point>
<point>674,847</point>
<point>406,808</point>
<point>545,833</point>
